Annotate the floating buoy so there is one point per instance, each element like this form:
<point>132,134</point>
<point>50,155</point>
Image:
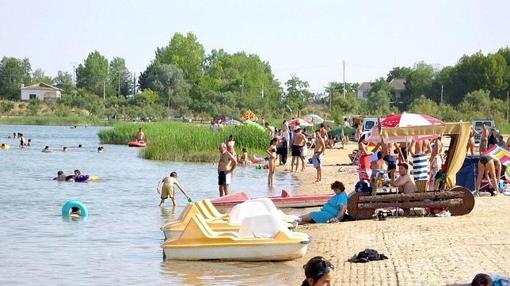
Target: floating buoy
<point>67,208</point>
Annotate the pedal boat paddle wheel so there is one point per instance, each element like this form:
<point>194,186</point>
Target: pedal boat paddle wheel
<point>459,200</point>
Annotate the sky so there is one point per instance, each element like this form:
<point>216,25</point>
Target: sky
<point>309,39</point>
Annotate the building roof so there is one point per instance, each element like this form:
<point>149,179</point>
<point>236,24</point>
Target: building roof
<point>365,86</point>
<point>40,86</point>
<point>398,84</point>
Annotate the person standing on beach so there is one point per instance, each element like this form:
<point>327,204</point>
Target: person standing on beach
<point>484,140</point>
<point>226,165</point>
<point>140,136</point>
<point>298,143</point>
<point>317,152</point>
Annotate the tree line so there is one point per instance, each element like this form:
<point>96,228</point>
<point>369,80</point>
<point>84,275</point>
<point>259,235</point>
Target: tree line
<point>182,79</point>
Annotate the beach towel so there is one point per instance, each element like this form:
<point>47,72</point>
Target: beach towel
<point>503,155</point>
<point>421,167</point>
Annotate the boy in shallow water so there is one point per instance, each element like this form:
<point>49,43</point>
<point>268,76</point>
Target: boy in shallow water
<point>166,189</point>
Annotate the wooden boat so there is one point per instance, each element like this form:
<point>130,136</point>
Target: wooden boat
<point>136,144</point>
<point>199,242</point>
<point>283,201</point>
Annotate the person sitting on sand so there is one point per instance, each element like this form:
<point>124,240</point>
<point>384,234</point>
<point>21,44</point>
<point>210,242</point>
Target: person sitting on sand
<point>318,272</point>
<point>404,182</point>
<point>46,149</point>
<point>333,210</point>
<point>166,189</point>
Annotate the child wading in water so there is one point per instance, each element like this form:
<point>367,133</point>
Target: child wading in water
<point>166,189</point>
<point>271,151</point>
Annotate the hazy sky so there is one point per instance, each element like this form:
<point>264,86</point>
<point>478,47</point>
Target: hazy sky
<point>306,38</point>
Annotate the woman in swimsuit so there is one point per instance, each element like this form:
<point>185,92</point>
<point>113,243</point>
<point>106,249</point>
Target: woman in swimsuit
<point>490,166</point>
<point>471,141</point>
<point>272,161</point>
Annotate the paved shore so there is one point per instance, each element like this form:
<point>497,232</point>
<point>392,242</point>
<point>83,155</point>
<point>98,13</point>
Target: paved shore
<point>421,250</point>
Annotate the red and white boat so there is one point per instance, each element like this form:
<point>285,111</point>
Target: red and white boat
<point>136,144</point>
<point>283,201</point>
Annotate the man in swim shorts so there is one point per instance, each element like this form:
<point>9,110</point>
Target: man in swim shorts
<point>317,152</point>
<point>226,165</point>
<point>298,143</point>
<point>166,189</point>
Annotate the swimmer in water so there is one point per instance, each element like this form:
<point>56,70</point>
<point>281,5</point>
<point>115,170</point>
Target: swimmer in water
<point>46,149</point>
<point>75,212</point>
<point>65,149</point>
<point>61,176</point>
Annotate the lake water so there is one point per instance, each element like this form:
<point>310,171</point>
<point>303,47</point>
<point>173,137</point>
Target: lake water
<point>120,241</point>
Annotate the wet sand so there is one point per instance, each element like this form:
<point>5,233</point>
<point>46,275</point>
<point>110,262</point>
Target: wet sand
<point>421,250</point>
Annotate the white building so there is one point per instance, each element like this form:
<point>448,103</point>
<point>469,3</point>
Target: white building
<point>40,91</point>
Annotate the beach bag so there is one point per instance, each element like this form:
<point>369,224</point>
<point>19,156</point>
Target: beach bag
<point>367,255</point>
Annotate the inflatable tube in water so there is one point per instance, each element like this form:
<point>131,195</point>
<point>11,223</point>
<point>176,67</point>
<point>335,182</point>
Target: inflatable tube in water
<point>5,146</point>
<point>66,209</point>
<point>81,178</point>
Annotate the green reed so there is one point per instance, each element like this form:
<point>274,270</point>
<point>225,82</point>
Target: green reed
<point>175,141</point>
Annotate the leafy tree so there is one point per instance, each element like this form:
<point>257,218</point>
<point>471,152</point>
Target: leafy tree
<point>399,72</point>
<point>13,74</point>
<point>297,94</point>
<point>92,75</point>
<point>186,53</point>
<point>120,77</point>
<point>168,81</point>
<point>378,103</point>
<point>419,82</point>
<point>39,76</point>
<point>423,105</point>
<point>64,81</point>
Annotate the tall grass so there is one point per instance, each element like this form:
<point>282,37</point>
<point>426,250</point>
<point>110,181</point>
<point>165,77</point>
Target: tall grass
<point>175,141</point>
<point>51,120</point>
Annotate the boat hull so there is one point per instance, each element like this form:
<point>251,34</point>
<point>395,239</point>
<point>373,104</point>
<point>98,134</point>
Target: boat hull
<point>262,252</point>
<point>136,144</point>
<point>304,201</point>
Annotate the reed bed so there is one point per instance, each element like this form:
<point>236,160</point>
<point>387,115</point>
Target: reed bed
<point>175,141</point>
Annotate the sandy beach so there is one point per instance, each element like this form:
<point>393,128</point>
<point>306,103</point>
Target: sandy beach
<point>421,250</point>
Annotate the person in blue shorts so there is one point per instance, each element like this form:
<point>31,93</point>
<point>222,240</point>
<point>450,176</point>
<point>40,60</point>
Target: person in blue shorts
<point>333,210</point>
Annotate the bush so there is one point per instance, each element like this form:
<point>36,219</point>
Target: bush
<point>6,106</point>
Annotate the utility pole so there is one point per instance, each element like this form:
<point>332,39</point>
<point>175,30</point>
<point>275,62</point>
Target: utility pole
<point>441,94</point>
<point>118,82</point>
<point>134,84</point>
<point>343,74</point>
<point>242,88</point>
<point>508,106</point>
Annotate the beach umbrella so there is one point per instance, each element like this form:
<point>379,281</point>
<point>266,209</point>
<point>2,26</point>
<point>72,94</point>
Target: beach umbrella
<point>314,118</point>
<point>232,122</point>
<point>300,122</point>
<point>409,119</point>
<point>254,124</point>
<point>403,120</point>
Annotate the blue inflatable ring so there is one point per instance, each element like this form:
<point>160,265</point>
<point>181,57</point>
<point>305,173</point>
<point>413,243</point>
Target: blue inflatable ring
<point>66,209</point>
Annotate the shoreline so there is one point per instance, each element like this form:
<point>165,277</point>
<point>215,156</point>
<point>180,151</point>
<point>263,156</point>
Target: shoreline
<point>421,250</point>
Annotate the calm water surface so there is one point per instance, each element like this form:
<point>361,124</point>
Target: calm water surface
<point>120,241</point>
